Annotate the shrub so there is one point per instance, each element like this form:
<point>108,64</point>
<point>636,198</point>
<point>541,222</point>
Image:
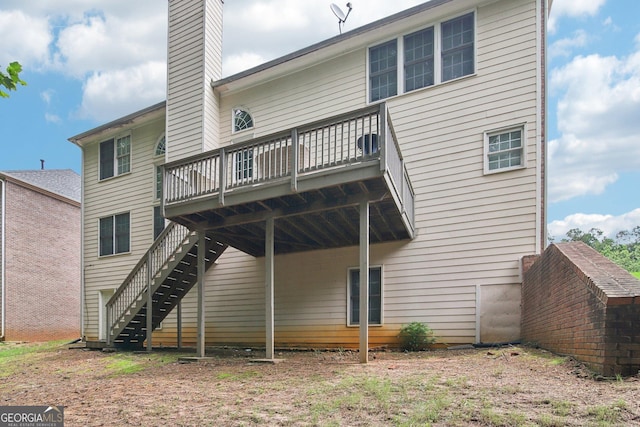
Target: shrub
<point>416,336</point>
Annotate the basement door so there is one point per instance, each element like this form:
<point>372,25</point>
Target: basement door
<point>103,297</point>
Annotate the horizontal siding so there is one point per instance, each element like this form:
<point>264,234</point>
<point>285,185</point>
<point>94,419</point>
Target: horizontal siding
<point>133,193</point>
<point>472,228</point>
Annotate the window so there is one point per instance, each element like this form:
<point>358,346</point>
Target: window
<point>244,164</point>
<point>161,146</point>
<point>158,182</point>
<point>114,234</point>
<point>504,150</point>
<point>423,58</point>
<point>457,47</point>
<point>241,119</point>
<point>375,296</point>
<point>418,60</point>
<point>115,157</point>
<point>383,75</point>
<point>158,222</point>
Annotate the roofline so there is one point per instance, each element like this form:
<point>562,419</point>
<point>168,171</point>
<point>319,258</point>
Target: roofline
<point>7,177</point>
<point>332,41</point>
<point>118,123</point>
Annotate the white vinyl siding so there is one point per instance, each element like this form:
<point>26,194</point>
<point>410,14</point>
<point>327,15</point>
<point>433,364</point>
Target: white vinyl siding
<point>470,233</point>
<point>132,193</point>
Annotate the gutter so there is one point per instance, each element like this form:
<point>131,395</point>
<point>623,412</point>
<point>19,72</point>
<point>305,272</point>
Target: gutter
<point>4,255</point>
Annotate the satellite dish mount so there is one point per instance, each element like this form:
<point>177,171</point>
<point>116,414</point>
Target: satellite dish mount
<point>340,14</point>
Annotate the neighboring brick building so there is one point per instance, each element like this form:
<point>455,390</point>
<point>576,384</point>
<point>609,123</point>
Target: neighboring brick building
<point>577,302</point>
<point>40,255</point>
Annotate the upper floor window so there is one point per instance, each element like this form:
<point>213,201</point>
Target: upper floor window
<point>244,165</point>
<point>114,234</point>
<point>421,64</point>
<point>241,119</point>
<point>161,146</point>
<point>383,75</point>
<point>504,150</point>
<point>115,157</point>
<point>457,47</point>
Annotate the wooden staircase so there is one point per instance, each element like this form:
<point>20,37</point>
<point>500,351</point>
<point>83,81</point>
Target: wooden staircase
<point>168,270</point>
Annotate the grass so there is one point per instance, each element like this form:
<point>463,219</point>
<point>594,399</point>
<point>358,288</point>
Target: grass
<point>636,274</point>
<point>411,393</point>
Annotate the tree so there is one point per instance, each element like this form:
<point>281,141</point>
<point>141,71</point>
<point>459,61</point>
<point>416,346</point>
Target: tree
<point>624,250</point>
<point>11,79</point>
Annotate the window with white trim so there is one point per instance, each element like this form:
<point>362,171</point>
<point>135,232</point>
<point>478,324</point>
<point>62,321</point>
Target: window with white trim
<point>158,222</point>
<point>430,56</point>
<point>161,146</point>
<point>504,150</point>
<point>114,234</point>
<point>242,119</point>
<point>115,157</point>
<point>375,296</point>
<point>244,165</point>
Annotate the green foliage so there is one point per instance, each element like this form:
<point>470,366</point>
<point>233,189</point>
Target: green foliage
<point>11,79</point>
<point>624,250</point>
<point>416,336</point>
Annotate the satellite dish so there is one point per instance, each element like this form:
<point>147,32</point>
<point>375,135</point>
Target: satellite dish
<point>340,14</point>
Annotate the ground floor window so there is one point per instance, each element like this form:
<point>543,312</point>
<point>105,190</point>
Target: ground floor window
<point>375,296</point>
<point>114,234</point>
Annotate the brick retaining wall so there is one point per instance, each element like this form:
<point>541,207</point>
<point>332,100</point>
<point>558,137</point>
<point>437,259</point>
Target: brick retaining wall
<point>576,302</point>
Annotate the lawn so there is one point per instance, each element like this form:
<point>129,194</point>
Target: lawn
<point>513,386</point>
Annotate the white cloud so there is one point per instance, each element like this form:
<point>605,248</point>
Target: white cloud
<point>572,8</point>
<point>598,117</point>
<point>52,118</point>
<point>47,95</point>
<point>563,47</point>
<point>111,94</point>
<point>24,38</point>
<point>236,63</point>
<point>609,224</point>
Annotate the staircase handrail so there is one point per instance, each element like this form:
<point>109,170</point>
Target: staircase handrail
<point>165,245</point>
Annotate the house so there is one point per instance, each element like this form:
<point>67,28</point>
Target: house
<point>40,255</point>
<point>412,148</point>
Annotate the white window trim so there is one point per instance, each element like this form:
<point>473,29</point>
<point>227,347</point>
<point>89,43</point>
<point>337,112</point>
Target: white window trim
<point>155,147</point>
<point>115,156</point>
<point>349,270</point>
<point>233,120</point>
<point>437,57</point>
<point>487,134</point>
<point>115,253</point>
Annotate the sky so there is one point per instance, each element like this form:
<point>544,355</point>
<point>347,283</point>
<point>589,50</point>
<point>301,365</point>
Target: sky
<point>88,62</point>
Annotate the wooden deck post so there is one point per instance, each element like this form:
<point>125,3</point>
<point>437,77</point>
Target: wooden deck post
<point>200,350</point>
<point>149,304</point>
<point>179,324</point>
<point>364,281</point>
<point>269,279</point>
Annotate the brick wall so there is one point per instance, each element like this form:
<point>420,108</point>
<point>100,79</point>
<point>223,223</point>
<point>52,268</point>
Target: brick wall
<point>42,266</point>
<point>576,302</point>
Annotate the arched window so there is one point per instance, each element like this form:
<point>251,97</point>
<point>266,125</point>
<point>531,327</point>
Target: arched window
<point>161,146</point>
<point>241,119</point>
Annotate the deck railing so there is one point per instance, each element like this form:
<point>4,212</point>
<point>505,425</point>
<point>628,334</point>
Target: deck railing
<point>355,137</point>
<point>144,272</point>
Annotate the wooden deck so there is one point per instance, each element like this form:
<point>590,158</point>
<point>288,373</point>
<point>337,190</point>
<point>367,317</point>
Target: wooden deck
<point>310,180</point>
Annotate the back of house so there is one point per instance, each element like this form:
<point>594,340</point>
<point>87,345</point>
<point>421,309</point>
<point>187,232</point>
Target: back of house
<point>428,125</point>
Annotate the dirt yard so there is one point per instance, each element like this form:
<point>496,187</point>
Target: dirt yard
<point>514,386</point>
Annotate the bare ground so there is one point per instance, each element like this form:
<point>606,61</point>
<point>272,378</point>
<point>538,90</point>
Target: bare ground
<point>473,387</point>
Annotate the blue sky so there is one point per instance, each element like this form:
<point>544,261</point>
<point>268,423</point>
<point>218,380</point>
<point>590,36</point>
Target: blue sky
<point>89,62</point>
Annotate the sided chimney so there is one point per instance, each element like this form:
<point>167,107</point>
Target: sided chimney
<point>194,59</point>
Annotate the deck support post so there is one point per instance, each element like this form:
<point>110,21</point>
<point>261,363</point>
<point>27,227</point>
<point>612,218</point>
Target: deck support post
<point>200,350</point>
<point>179,324</point>
<point>364,281</point>
<point>269,294</point>
<point>149,304</point>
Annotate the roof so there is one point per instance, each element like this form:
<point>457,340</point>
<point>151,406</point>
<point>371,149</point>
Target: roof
<point>334,40</point>
<point>63,182</point>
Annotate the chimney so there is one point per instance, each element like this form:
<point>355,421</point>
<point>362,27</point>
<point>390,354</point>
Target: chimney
<point>194,59</point>
<point>41,164</point>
